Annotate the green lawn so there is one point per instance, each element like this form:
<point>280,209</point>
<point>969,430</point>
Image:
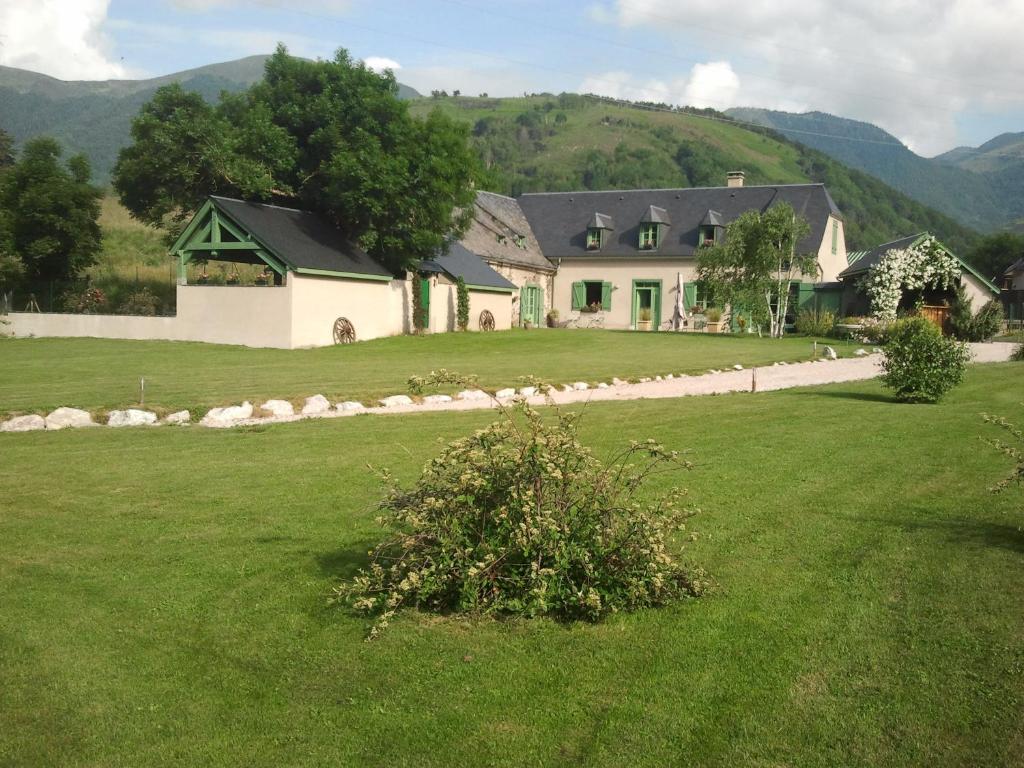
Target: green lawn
<point>37,375</point>
<point>163,596</point>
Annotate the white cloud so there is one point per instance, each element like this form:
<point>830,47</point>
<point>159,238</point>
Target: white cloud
<point>910,67</point>
<point>380,63</point>
<point>60,38</point>
<point>712,84</point>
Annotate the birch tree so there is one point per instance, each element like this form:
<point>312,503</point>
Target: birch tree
<point>752,268</point>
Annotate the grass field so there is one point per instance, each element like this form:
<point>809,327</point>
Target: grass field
<point>40,374</point>
<point>163,599</point>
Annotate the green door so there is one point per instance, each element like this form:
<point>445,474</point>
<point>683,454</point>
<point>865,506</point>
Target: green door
<point>425,303</point>
<point>531,305</point>
<point>647,304</point>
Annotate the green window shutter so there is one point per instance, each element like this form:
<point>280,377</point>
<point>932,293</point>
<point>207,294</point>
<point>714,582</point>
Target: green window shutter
<point>606,296</point>
<point>689,295</point>
<point>579,295</point>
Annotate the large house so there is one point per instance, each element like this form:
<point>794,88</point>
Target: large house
<point>623,252</point>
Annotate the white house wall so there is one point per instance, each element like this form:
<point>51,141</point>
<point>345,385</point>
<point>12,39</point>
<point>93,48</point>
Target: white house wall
<point>444,307</point>
<point>977,291</point>
<point>374,307</point>
<point>621,273</point>
<point>831,264</point>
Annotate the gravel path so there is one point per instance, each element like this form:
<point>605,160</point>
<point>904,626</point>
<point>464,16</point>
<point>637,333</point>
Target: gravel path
<point>768,378</point>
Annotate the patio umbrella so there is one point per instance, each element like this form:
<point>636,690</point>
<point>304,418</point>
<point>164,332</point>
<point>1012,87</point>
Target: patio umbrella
<point>679,314</point>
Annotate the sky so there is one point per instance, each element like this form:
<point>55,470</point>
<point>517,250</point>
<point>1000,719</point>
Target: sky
<point>935,73</point>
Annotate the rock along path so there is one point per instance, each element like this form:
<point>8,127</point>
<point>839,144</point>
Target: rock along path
<point>769,378</point>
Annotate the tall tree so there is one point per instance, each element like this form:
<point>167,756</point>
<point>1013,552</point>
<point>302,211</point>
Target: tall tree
<point>52,212</point>
<point>328,136</point>
<point>755,263</point>
<point>995,253</point>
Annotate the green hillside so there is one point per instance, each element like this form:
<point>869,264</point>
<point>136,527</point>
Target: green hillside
<point>980,187</point>
<point>566,142</point>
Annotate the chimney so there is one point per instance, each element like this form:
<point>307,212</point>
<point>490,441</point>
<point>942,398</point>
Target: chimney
<point>734,179</point>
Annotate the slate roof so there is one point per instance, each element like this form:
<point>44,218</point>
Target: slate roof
<point>303,240</point>
<point>559,219</point>
<point>495,215</point>
<point>656,215</point>
<point>862,261</point>
<point>601,221</point>
<point>460,262</point>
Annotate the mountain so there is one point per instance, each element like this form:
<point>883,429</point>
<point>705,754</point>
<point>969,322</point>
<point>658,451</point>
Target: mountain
<point>569,142</point>
<point>964,190</point>
<point>94,117</point>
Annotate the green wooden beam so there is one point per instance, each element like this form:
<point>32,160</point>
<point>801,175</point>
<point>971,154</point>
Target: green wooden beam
<point>193,225</point>
<point>489,288</point>
<point>350,275</point>
<point>225,246</point>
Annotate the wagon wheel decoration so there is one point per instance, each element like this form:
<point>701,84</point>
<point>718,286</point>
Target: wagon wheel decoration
<point>344,331</point>
<point>486,320</point>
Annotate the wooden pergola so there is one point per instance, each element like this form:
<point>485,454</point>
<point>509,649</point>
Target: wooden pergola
<point>213,235</point>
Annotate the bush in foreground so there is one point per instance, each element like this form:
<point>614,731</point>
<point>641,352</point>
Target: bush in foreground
<point>521,519</point>
<point>921,364</point>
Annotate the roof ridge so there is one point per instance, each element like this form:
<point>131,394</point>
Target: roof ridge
<point>672,189</point>
<point>263,205</point>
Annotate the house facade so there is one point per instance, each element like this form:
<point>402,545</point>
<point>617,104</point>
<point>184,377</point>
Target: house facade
<point>500,234</point>
<point>620,254</point>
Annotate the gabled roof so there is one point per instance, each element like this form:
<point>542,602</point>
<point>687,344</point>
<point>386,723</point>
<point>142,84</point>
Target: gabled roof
<point>1013,269</point>
<point>460,262</point>
<point>304,241</point>
<point>497,215</point>
<point>601,221</point>
<point>862,261</point>
<point>655,215</point>
<point>865,260</point>
<point>560,219</point>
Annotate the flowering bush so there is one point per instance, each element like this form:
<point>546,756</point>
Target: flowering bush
<point>519,518</point>
<point>141,302</point>
<point>920,364</point>
<point>88,301</point>
<point>926,265</point>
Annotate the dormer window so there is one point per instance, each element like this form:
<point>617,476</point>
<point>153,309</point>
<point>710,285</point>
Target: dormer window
<point>502,240</point>
<point>521,241</point>
<point>649,237</point>
<point>710,230</point>
<point>652,224</point>
<point>596,229</point>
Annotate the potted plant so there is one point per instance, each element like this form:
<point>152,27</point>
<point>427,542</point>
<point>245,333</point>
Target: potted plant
<point>263,278</point>
<point>714,318</point>
<point>592,308</point>
<point>643,319</point>
<point>552,318</point>
<point>233,278</point>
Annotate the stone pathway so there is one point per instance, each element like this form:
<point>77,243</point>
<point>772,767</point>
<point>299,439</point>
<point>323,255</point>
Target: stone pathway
<point>763,379</point>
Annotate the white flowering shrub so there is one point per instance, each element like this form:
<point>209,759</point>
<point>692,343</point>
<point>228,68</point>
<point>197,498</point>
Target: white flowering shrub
<point>926,265</point>
<point>520,518</point>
